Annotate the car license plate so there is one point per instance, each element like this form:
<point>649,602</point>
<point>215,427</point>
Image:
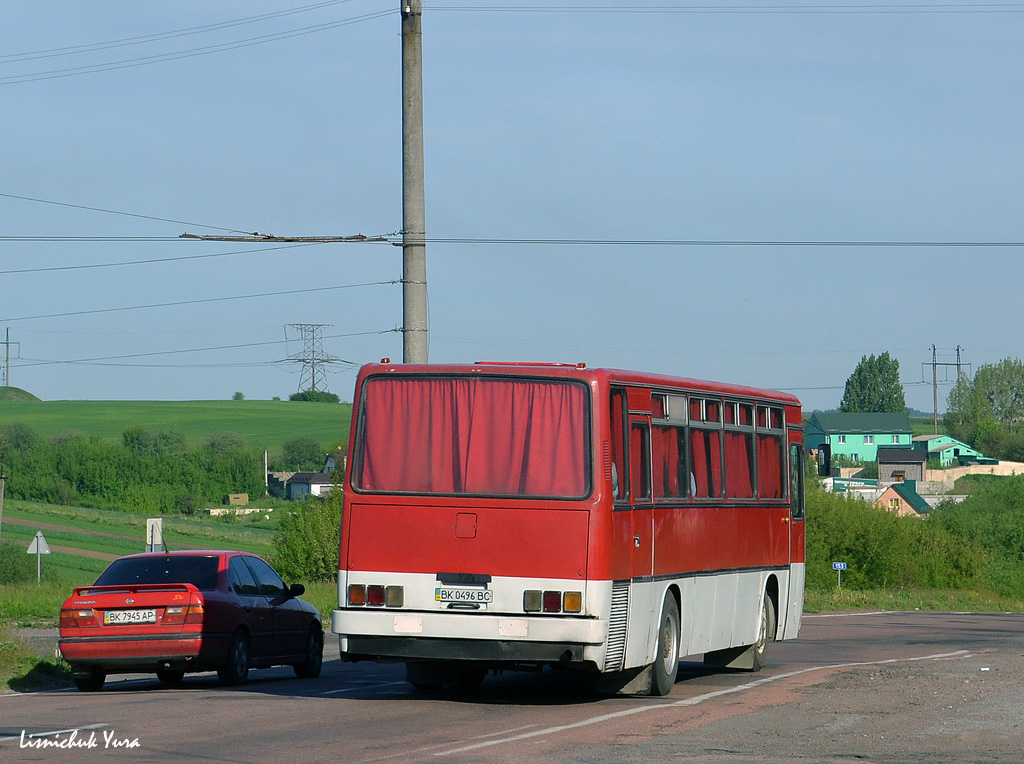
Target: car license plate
<point>442,594</point>
<point>115,617</point>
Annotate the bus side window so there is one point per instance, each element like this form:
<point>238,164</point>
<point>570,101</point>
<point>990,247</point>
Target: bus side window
<point>640,455</point>
<point>620,475</point>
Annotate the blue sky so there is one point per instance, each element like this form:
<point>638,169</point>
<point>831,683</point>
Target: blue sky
<point>607,123</point>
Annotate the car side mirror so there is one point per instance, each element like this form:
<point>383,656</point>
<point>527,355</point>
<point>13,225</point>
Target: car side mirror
<point>296,590</point>
<point>824,460</point>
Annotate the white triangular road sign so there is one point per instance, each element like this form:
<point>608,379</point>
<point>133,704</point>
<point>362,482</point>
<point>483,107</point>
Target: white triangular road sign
<point>39,545</point>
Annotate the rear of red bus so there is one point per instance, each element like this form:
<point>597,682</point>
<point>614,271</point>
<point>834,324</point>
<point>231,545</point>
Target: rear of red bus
<point>468,521</point>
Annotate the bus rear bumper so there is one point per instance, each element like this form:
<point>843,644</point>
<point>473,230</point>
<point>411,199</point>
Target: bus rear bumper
<point>382,635</point>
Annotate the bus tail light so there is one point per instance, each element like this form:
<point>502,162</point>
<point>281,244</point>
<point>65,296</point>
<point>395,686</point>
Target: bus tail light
<point>552,602</point>
<point>376,595</point>
<point>535,601</point>
<point>531,601</point>
<point>572,602</point>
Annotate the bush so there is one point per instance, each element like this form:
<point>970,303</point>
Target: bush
<point>16,567</point>
<point>883,550</point>
<point>306,542</point>
<point>316,396</point>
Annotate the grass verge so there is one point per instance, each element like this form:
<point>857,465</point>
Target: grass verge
<point>23,670</point>
<point>941,600</point>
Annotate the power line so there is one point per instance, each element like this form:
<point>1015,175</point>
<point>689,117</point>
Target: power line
<point>218,348</point>
<point>190,53</point>
<point>158,36</point>
<point>115,212</point>
<point>873,8</point>
<point>722,242</point>
<point>196,302</point>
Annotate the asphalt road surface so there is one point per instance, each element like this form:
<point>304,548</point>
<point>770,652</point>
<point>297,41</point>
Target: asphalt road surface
<point>865,687</point>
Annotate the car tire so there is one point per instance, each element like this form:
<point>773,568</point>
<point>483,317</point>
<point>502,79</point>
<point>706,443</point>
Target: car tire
<point>235,669</point>
<point>91,683</point>
<point>170,676</point>
<point>313,657</point>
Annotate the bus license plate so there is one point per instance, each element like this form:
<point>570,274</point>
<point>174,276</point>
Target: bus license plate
<point>463,595</point>
<point>115,617</point>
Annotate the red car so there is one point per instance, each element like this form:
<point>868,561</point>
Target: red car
<point>178,612</point>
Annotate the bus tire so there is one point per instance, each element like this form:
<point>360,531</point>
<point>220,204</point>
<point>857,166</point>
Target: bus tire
<point>666,660</point>
<point>765,633</point>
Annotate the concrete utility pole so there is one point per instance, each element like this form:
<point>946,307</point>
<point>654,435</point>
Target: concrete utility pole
<point>414,225</point>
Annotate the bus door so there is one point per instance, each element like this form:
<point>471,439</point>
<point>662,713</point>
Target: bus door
<point>792,610</point>
<point>641,500</point>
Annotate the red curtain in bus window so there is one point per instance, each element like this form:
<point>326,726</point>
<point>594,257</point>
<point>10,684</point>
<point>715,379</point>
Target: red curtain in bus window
<point>739,465</point>
<point>707,462</point>
<point>769,466</point>
<point>665,462</point>
<point>474,435</point>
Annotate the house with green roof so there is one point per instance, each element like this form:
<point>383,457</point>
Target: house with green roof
<point>857,436</point>
<point>946,450</point>
<point>903,499</point>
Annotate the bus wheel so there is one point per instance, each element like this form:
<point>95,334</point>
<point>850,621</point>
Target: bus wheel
<point>666,661</point>
<point>765,633</point>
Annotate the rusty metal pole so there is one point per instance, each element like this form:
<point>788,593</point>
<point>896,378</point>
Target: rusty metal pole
<point>414,249</point>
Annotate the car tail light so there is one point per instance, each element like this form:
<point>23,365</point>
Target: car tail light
<point>394,596</point>
<point>183,614</point>
<point>77,618</point>
<point>552,602</point>
<point>375,595</point>
<point>357,594</point>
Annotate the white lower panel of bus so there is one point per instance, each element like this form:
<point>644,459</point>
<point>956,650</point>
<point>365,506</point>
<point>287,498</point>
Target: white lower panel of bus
<point>618,628</point>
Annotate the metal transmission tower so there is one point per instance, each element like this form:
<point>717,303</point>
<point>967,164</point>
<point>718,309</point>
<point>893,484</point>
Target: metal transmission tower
<point>313,358</point>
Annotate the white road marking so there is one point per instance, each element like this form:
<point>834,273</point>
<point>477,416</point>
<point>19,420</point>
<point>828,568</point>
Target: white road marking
<point>696,700</point>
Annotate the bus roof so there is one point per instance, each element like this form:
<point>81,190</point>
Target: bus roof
<point>583,372</point>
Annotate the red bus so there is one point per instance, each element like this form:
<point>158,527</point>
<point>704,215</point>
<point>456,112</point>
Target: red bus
<point>507,515</point>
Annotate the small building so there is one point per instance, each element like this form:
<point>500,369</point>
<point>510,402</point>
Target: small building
<point>947,451</point>
<point>857,437</point>
<point>903,499</point>
<point>302,485</point>
<point>897,464</point>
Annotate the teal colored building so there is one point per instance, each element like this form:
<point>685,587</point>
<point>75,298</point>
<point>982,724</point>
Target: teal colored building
<point>948,451</point>
<point>857,436</point>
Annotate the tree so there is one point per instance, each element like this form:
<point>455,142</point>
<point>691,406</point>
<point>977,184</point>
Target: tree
<point>303,454</point>
<point>874,386</point>
<point>315,396</point>
<point>238,396</point>
<point>988,411</point>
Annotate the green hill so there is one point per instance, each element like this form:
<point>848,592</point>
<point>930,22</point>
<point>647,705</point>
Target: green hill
<point>15,394</point>
<point>262,424</point>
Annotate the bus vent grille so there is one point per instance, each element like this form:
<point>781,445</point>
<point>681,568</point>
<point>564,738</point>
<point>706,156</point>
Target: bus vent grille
<point>616,650</point>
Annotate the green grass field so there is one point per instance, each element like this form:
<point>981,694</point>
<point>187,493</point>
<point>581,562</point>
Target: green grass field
<point>262,424</point>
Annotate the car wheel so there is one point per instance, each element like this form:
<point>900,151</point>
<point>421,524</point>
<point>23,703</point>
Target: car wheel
<point>170,676</point>
<point>235,669</point>
<point>91,683</point>
<point>313,658</point>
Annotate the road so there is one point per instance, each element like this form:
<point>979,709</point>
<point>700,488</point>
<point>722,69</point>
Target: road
<point>867,687</point>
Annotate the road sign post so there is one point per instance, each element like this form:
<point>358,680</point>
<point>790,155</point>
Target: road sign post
<point>39,547</point>
<point>839,567</point>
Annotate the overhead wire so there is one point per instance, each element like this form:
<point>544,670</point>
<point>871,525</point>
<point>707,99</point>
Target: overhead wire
<point>95,311</point>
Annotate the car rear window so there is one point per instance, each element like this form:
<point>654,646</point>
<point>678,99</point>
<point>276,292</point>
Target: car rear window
<point>199,570</point>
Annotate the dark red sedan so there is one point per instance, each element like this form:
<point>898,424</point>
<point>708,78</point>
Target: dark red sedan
<point>179,612</point>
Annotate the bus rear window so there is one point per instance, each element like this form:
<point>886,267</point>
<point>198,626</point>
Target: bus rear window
<point>486,436</point>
